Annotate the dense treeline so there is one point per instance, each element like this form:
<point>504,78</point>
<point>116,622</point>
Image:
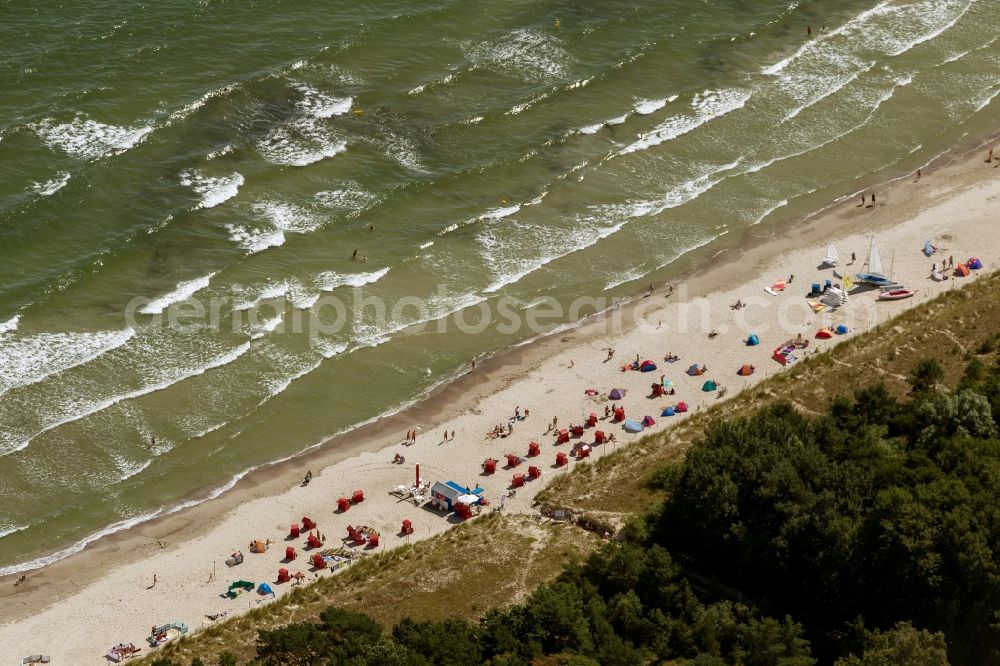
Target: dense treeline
<point>868,535</point>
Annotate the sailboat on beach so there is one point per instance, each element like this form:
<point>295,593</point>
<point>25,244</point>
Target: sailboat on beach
<point>831,258</point>
<point>874,274</point>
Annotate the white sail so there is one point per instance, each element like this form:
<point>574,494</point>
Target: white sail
<point>832,259</point>
<point>875,260</point>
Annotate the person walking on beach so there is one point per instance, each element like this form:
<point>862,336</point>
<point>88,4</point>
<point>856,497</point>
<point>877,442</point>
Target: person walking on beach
<point>873,198</point>
<point>472,365</point>
<point>917,179</point>
<point>453,432</point>
<point>154,582</point>
<point>989,156</point>
<point>854,257</point>
<point>809,31</point>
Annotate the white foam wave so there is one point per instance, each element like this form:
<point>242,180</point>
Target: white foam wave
<point>707,106</point>
<point>88,139</point>
<point>491,214</point>
<point>268,293</point>
<point>119,526</point>
<point>213,190</point>
<point>225,150</point>
<point>350,199</point>
<point>644,107</point>
<point>471,121</point>
<point>328,280</point>
<point>269,325</point>
<point>525,54</point>
<point>275,219</point>
<point>182,292</point>
<point>301,142</point>
<point>11,529</point>
<point>29,359</point>
<point>322,105</point>
<point>591,129</point>
<point>188,109</point>
<point>50,187</point>
<point>88,410</point>
<point>837,83</point>
<point>10,324</point>
<point>327,348</point>
<point>424,246</point>
<point>769,210</point>
<point>638,274</point>
<point>128,469</point>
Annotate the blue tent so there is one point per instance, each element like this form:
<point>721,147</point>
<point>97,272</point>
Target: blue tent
<point>753,340</point>
<point>264,588</point>
<point>647,366</point>
<point>694,370</point>
<point>974,264</point>
<point>669,411</point>
<point>841,329</point>
<point>632,426</point>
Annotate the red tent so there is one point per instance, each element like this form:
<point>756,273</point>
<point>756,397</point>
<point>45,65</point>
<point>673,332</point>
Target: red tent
<point>592,420</point>
<point>824,334</point>
<point>318,562</point>
<point>407,527</point>
<point>283,576</point>
<point>563,436</point>
<point>561,459</point>
<point>490,466</point>
<point>343,504</point>
<point>598,437</point>
<point>358,496</point>
<point>619,413</point>
<point>294,531</point>
<point>513,460</point>
<point>308,523</point>
<point>534,472</point>
<point>533,449</point>
<point>290,553</point>
<point>516,482</point>
<point>313,541</point>
<point>682,406</point>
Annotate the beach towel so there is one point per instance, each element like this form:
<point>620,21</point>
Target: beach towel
<point>632,426</point>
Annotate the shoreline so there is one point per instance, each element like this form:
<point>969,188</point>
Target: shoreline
<point>463,396</point>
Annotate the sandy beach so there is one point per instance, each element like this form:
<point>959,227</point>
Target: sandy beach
<point>76,608</point>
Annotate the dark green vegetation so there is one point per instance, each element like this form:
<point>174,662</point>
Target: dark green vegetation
<point>783,540</point>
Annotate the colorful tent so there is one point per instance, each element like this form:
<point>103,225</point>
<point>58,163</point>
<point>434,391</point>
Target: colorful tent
<point>961,270</point>
<point>647,366</point>
<point>632,426</point>
<point>667,411</point>
<point>709,386</point>
<point>258,546</point>
<point>682,407</point>
<point>779,285</point>
<point>824,334</point>
<point>616,394</point>
<point>264,588</point>
<point>974,263</point>
<point>694,370</point>
<point>745,370</point>
<point>753,340</point>
<point>840,330</point>
<point>648,421</point>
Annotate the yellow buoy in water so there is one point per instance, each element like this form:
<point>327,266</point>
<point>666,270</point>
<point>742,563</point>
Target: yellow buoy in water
<point>557,25</point>
<point>359,113</point>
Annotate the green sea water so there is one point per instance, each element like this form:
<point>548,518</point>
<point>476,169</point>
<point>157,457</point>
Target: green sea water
<point>474,154</point>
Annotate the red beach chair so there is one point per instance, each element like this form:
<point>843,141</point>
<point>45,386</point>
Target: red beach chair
<point>313,541</point>
<point>283,576</point>
<point>290,553</point>
<point>513,460</point>
<point>563,436</point>
<point>599,437</point>
<point>577,431</point>
<point>619,413</point>
<point>517,481</point>
<point>407,527</point>
<point>343,504</point>
<point>318,562</point>
<point>293,533</point>
<point>592,420</point>
<point>308,523</point>
<point>490,466</point>
<point>534,472</point>
<point>373,541</point>
<point>533,449</point>
<point>358,497</point>
<point>561,459</point>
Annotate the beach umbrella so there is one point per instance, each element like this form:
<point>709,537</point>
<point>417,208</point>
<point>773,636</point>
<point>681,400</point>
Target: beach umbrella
<point>467,499</point>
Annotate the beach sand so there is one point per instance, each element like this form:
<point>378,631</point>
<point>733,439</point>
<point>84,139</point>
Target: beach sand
<point>76,608</point>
